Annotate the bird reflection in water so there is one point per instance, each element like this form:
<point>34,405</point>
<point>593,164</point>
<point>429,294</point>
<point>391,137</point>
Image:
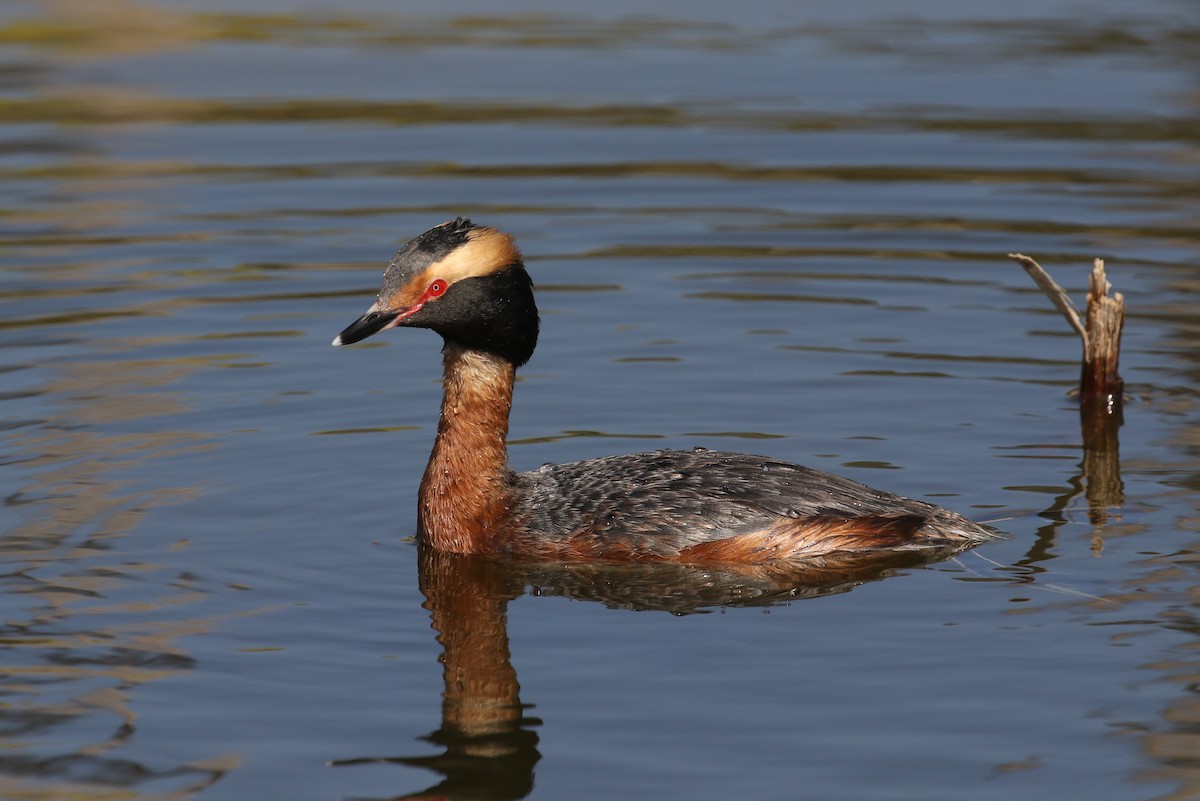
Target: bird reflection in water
<point>490,746</point>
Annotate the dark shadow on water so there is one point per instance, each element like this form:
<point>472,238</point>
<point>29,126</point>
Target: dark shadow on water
<point>490,746</point>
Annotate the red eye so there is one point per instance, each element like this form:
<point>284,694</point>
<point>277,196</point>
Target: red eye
<point>436,289</point>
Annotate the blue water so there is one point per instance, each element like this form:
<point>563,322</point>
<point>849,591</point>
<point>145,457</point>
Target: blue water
<point>780,229</point>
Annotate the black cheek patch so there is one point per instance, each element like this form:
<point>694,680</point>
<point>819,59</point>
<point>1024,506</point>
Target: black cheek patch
<point>493,313</point>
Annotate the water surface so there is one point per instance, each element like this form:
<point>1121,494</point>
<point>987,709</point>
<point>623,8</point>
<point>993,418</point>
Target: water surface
<point>780,230</point>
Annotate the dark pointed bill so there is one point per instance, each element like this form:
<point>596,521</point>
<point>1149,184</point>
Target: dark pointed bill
<point>370,323</point>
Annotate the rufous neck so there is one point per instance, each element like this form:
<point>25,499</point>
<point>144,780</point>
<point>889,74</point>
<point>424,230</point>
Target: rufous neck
<point>462,493</point>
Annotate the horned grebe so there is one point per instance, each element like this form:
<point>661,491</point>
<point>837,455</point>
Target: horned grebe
<point>468,283</point>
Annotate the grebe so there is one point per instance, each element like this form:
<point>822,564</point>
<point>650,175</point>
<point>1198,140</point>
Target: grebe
<point>468,283</point>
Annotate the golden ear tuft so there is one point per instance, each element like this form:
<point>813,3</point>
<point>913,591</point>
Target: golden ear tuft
<point>494,248</point>
<point>485,251</point>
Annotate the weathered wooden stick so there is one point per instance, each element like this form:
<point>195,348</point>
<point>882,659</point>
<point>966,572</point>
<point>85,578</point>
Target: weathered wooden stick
<point>1100,387</point>
<point>1057,296</point>
<point>1099,380</point>
<point>1102,347</point>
